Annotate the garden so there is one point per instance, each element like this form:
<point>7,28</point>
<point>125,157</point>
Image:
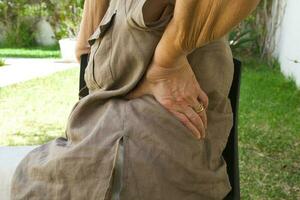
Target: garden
<point>35,111</point>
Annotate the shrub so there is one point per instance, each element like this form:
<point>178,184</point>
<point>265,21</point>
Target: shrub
<point>19,18</point>
<point>20,34</point>
<point>64,16</point>
<point>256,35</point>
<point>17,22</point>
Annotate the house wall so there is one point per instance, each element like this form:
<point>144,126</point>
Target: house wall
<point>288,44</point>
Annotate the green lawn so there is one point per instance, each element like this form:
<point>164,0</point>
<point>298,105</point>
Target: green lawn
<point>34,52</point>
<point>269,130</point>
<point>36,111</point>
<point>269,135</point>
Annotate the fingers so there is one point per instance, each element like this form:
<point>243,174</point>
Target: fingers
<point>183,118</point>
<point>196,120</point>
<point>189,118</point>
<point>141,88</point>
<point>183,109</point>
<point>193,103</point>
<point>203,116</point>
<point>203,98</point>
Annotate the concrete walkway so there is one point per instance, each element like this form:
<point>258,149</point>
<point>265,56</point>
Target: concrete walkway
<point>10,157</point>
<point>22,69</point>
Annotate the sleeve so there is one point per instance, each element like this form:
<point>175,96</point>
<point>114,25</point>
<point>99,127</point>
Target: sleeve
<point>93,12</point>
<point>199,22</point>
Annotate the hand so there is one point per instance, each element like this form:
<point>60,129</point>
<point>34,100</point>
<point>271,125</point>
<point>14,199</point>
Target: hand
<point>176,88</point>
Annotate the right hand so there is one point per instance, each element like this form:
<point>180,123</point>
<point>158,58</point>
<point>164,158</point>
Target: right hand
<point>177,89</point>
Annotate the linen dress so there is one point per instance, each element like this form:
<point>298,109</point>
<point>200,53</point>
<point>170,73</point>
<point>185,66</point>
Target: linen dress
<point>116,148</point>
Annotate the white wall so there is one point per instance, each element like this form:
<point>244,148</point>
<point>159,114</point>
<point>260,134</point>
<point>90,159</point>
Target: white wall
<point>289,41</point>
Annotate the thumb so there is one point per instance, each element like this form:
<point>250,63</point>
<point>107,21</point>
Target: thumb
<point>141,88</point>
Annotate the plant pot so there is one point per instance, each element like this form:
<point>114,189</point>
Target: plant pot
<point>67,49</point>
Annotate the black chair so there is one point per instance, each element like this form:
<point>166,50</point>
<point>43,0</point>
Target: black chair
<point>230,152</point>
<point>83,90</point>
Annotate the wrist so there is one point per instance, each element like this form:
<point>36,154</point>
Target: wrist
<point>166,56</point>
<point>159,72</point>
<point>169,49</point>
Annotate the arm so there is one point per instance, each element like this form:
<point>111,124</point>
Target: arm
<point>170,78</point>
<point>196,23</point>
<point>93,12</point>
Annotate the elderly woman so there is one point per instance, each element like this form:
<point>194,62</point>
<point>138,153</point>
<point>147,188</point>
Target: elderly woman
<point>157,116</point>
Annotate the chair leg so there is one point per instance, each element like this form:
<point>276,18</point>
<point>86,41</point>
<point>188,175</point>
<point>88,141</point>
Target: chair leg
<point>83,90</point>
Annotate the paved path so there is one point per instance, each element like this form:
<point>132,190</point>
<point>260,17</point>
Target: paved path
<point>9,159</point>
<point>22,69</point>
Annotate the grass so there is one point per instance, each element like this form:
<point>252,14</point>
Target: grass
<point>36,111</point>
<point>269,130</point>
<point>269,134</point>
<point>33,52</point>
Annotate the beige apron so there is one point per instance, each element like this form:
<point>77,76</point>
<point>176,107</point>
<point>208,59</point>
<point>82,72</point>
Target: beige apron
<point>133,149</point>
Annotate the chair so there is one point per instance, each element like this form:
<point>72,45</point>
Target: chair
<point>83,90</point>
<point>230,152</point>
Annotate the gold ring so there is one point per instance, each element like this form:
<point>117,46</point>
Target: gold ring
<point>199,108</point>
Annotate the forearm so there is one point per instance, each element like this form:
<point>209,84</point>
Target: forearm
<point>196,23</point>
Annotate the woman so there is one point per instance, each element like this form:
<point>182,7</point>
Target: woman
<point>136,135</point>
